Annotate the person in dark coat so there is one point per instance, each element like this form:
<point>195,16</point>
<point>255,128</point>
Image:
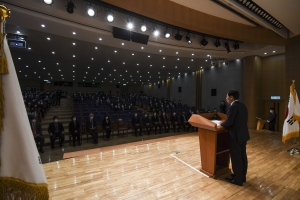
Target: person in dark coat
<point>56,130</point>
<point>91,127</point>
<point>106,126</point>
<point>156,123</point>
<point>236,123</point>
<point>37,133</point>
<point>175,122</point>
<point>272,119</point>
<point>184,121</point>
<point>147,123</point>
<point>136,124</point>
<point>74,130</point>
<point>165,122</point>
<point>223,107</point>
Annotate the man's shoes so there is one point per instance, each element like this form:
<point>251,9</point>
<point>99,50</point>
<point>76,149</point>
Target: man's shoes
<point>41,151</point>
<point>232,181</point>
<point>244,179</point>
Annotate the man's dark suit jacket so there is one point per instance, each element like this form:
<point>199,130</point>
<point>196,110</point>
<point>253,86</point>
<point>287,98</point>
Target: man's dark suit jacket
<point>38,128</point>
<point>106,123</point>
<point>272,118</point>
<point>155,119</point>
<point>135,120</point>
<point>51,128</point>
<point>182,119</point>
<point>236,122</point>
<point>146,120</point>
<point>174,119</point>
<point>164,120</point>
<point>73,128</point>
<point>88,124</point>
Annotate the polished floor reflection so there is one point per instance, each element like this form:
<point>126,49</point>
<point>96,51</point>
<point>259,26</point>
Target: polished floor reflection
<point>149,170</point>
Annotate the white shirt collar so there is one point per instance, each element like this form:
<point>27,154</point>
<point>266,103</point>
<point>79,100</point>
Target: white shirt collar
<point>233,102</point>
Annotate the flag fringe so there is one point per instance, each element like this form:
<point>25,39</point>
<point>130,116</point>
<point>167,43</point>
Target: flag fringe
<point>290,135</point>
<point>13,188</point>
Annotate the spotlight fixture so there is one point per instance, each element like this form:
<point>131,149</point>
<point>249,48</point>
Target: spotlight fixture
<point>70,7</point>
<point>167,33</point>
<point>155,32</point>
<point>178,36</point>
<point>48,2</point>
<point>188,39</point>
<point>227,47</point>
<point>217,43</point>
<point>129,23</point>
<point>143,27</point>
<point>203,42</point>
<point>110,16</point>
<point>236,46</point>
<point>91,10</point>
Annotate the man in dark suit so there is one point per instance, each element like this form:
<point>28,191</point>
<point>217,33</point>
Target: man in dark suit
<point>147,123</point>
<point>156,123</point>
<point>37,133</point>
<point>91,127</point>
<point>223,107</point>
<point>74,130</point>
<point>236,123</point>
<point>136,124</point>
<point>56,130</point>
<point>165,122</point>
<point>272,119</point>
<point>106,126</point>
<point>175,122</point>
<point>184,122</point>
<point>58,97</point>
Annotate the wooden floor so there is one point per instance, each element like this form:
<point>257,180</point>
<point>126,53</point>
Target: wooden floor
<point>147,170</point>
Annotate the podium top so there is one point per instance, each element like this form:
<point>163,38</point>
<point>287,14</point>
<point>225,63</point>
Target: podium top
<point>204,121</point>
<point>260,119</point>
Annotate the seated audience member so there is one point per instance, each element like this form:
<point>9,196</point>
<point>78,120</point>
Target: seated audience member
<point>156,123</point>
<point>136,124</point>
<point>55,130</point>
<point>184,122</point>
<point>165,122</point>
<point>175,122</point>
<point>37,133</point>
<point>106,126</point>
<point>147,123</point>
<point>91,127</point>
<point>223,107</point>
<point>74,130</point>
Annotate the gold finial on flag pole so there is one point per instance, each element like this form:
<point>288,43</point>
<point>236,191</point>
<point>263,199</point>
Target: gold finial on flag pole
<point>4,12</point>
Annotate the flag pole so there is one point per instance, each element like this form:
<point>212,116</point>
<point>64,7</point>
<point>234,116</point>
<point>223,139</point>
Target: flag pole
<point>294,150</point>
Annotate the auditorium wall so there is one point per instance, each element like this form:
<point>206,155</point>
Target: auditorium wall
<point>221,79</point>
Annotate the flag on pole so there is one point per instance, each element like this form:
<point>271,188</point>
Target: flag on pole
<point>21,172</point>
<point>291,125</point>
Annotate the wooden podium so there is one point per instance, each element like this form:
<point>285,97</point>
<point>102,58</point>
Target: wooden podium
<point>214,144</point>
<point>260,123</point>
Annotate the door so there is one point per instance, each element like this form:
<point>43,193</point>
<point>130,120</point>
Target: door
<point>280,108</point>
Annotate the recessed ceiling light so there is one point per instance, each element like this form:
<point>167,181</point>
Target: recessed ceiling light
<point>73,79</point>
<point>39,77</point>
<point>160,50</point>
<point>163,66</point>
<point>208,55</point>
<point>19,58</point>
<point>188,66</point>
<point>73,65</point>
<point>96,47</point>
<point>19,71</point>
<point>18,32</point>
<point>74,33</point>
<point>192,60</point>
<point>101,68</point>
<point>74,43</point>
<point>108,61</point>
<point>57,63</point>
<point>73,56</point>
<point>88,67</point>
<point>123,63</point>
<point>44,68</point>
<point>26,75</point>
<point>48,73</point>
<point>100,38</point>
<point>48,38</point>
<point>137,64</point>
<point>192,54</point>
<point>98,73</point>
<point>148,72</point>
<point>115,70</point>
<point>62,75</point>
<point>177,58</point>
<point>115,51</point>
<point>265,53</point>
<point>29,48</point>
<point>164,58</point>
<point>142,47</point>
<point>176,52</point>
<point>92,58</point>
<point>169,72</point>
<point>175,66</point>
<point>122,43</point>
<point>53,52</point>
<point>73,76</point>
<point>150,65</point>
<point>205,60</point>
<point>43,25</point>
<point>201,67</point>
<point>133,54</point>
<point>148,56</point>
<point>274,51</point>
<point>59,70</point>
<point>26,65</point>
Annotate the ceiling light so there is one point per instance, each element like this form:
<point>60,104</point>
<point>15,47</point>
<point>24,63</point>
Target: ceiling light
<point>203,42</point>
<point>29,48</point>
<point>133,54</point>
<point>100,38</point>
<point>74,43</point>
<point>265,53</point>
<point>115,51</point>
<point>91,10</point>
<point>167,33</point>
<point>42,25</point>
<point>144,27</point>
<point>74,33</point>
<point>236,46</point>
<point>178,36</point>
<point>96,47</point>
<point>48,2</point>
<point>48,38</point>
<point>110,16</point>
<point>188,39</point>
<point>122,43</point>
<point>217,43</point>
<point>274,51</point>
<point>73,56</point>
<point>53,52</point>
<point>227,47</point>
<point>155,32</point>
<point>192,54</point>
<point>129,23</point>
<point>70,7</point>
<point>176,52</point>
<point>160,50</point>
<point>142,47</point>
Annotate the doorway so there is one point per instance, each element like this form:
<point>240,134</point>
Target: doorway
<point>280,108</point>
